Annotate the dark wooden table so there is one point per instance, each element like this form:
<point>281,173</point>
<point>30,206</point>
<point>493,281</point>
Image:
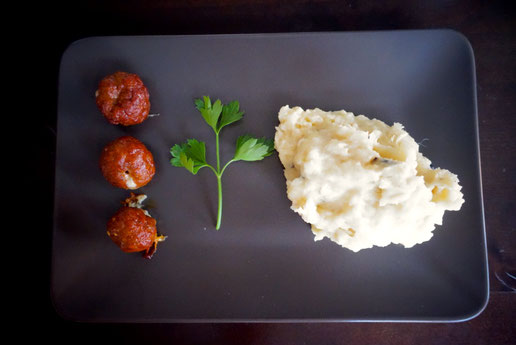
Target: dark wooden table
<point>489,25</point>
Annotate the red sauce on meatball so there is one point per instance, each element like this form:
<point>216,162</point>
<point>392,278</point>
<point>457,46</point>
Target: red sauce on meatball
<point>123,99</point>
<point>126,163</point>
<point>132,230</point>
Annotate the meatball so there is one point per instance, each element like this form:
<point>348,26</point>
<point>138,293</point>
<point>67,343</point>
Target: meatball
<point>123,99</point>
<point>126,163</point>
<point>132,229</point>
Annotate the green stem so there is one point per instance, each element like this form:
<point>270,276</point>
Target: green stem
<point>219,173</point>
<point>225,166</point>
<point>219,213</point>
<point>218,155</point>
<point>219,182</point>
<point>212,169</point>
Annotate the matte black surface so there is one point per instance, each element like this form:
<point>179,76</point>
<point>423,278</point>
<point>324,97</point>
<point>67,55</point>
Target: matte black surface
<point>263,264</point>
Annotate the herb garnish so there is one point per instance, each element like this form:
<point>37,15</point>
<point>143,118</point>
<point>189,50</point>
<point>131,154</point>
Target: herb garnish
<point>191,155</point>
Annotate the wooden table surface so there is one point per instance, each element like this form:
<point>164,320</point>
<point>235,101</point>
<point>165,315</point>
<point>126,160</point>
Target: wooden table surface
<point>489,25</point>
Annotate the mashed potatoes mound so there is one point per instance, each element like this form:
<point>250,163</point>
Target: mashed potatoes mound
<point>361,182</point>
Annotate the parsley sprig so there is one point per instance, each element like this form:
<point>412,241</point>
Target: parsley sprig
<point>191,155</point>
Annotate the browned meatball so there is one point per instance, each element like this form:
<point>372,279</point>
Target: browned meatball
<point>126,163</point>
<point>132,229</point>
<point>123,99</point>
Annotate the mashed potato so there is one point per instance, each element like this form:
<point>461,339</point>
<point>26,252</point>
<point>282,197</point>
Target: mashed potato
<point>361,182</point>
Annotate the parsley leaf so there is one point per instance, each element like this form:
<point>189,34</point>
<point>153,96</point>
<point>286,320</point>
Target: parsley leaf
<point>253,149</point>
<point>190,155</point>
<point>209,112</point>
<point>230,114</point>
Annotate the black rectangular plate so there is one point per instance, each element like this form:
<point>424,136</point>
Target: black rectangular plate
<point>263,265</point>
